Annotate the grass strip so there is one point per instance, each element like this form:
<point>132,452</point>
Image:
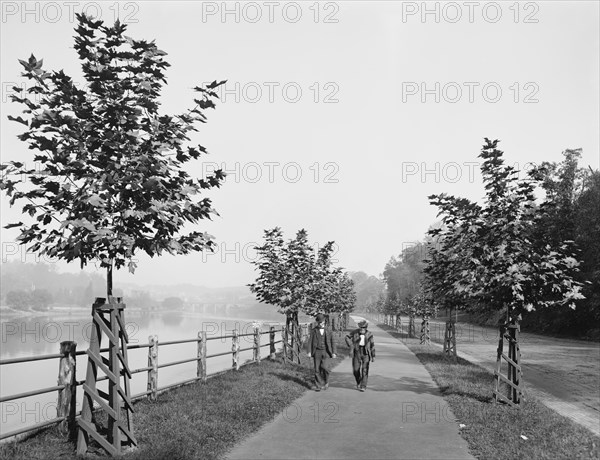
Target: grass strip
<point>198,420</point>
<point>494,431</point>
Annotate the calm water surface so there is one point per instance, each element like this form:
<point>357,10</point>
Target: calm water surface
<point>34,336</point>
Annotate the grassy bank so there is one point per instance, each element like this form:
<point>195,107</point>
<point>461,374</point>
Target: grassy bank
<point>496,431</point>
<point>199,420</point>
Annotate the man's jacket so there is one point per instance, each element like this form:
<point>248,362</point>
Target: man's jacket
<point>353,341</point>
<point>328,338</point>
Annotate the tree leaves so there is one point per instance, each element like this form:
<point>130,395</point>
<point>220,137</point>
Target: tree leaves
<point>293,278</point>
<point>497,265</point>
<point>114,180</point>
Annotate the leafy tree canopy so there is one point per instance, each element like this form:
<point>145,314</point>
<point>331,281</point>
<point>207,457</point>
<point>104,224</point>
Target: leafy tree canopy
<point>112,180</point>
<point>488,253</point>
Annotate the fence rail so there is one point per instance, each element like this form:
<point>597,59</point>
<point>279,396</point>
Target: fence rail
<point>151,369</point>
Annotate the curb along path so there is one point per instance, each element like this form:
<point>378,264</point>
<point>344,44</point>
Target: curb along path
<point>402,415</point>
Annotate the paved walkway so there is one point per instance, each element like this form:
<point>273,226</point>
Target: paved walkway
<point>401,416</point>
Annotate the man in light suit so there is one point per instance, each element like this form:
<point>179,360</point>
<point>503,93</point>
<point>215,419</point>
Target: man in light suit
<point>362,352</point>
<point>322,349</point>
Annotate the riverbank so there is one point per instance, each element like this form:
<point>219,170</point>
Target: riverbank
<point>198,420</point>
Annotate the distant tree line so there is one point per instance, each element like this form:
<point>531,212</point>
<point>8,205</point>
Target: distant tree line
<point>369,289</point>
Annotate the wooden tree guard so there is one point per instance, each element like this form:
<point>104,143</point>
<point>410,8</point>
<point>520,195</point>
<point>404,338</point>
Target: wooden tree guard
<point>284,338</point>
<point>425,336</point>
<point>450,339</point>
<point>411,326</point>
<point>398,324</point>
<point>298,342</point>
<point>108,319</point>
<point>292,343</point>
<point>292,339</point>
<point>510,332</point>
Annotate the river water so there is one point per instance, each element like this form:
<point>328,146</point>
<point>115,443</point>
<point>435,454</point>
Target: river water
<point>34,336</point>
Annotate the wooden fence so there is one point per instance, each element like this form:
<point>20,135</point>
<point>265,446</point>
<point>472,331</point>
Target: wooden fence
<point>67,382</point>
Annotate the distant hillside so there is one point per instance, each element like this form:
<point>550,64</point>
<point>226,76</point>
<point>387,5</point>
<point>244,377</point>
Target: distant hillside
<point>29,284</point>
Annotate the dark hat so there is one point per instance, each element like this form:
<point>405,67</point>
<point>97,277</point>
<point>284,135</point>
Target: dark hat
<point>363,323</point>
<point>320,317</point>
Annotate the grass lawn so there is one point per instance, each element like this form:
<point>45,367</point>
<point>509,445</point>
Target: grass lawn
<point>494,431</point>
<point>200,420</point>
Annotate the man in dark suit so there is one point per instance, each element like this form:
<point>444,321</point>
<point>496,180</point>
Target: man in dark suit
<point>362,352</point>
<point>321,348</point>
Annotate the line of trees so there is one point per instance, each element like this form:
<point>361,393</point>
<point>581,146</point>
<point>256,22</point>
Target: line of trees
<point>530,250</point>
<point>292,277</point>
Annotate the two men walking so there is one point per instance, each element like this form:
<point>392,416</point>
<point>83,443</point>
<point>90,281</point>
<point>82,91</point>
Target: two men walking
<point>322,348</point>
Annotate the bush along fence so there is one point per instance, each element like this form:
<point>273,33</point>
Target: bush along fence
<point>108,321</point>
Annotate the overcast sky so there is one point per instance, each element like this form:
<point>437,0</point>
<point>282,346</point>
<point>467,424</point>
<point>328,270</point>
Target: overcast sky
<point>338,117</point>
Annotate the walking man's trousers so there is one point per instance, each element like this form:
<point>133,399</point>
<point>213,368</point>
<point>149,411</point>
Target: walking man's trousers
<point>321,360</point>
<point>360,368</point>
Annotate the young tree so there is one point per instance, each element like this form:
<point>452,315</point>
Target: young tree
<point>486,251</point>
<point>293,279</point>
<point>112,181</point>
<point>489,254</point>
<point>283,269</point>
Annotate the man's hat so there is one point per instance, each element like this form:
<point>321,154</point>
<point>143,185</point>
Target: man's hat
<point>363,323</point>
<point>320,318</point>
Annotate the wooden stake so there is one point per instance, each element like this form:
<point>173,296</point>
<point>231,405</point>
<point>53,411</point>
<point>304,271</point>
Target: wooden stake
<point>153,371</point>
<point>201,369</point>
<point>411,326</point>
<point>235,351</point>
<point>256,351</point>
<point>66,404</point>
<point>272,342</point>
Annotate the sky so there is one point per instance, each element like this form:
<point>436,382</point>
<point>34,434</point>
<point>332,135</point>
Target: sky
<point>337,117</point>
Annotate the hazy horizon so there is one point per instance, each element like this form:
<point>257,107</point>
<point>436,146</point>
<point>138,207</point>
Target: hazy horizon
<point>340,118</point>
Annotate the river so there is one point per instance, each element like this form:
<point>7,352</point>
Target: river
<point>39,335</point>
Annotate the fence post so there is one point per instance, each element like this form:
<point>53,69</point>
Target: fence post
<point>257,345</point>
<point>65,406</point>
<point>272,342</point>
<point>201,369</point>
<point>235,350</point>
<point>153,365</point>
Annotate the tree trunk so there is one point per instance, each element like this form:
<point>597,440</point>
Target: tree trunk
<point>292,328</point>
<point>109,280</point>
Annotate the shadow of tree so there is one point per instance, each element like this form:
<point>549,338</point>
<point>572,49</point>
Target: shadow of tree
<point>475,381</point>
<point>292,378</point>
<point>381,383</point>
